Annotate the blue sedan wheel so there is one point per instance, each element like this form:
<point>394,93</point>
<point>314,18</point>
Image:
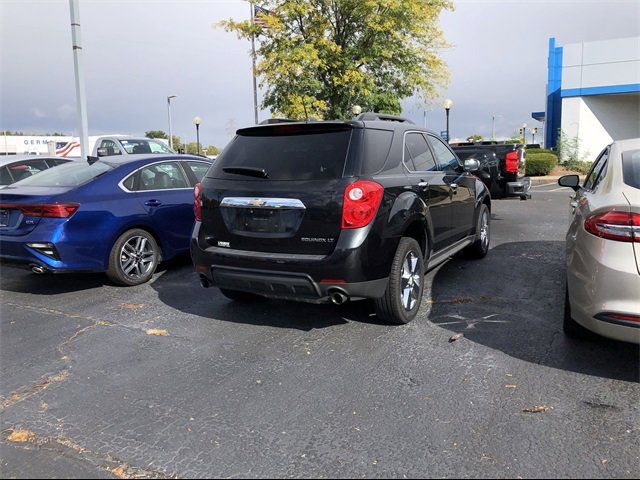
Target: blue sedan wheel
<point>134,258</point>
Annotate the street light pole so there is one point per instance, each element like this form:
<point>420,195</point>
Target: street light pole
<point>81,98</point>
<point>448,103</point>
<point>197,122</point>
<point>524,133</point>
<point>170,129</point>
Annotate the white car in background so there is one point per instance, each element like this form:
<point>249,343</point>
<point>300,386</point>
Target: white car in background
<point>123,145</point>
<point>603,246</point>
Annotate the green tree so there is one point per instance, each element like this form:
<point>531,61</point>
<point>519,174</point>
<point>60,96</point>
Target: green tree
<point>319,58</point>
<point>192,148</point>
<point>515,138</point>
<point>570,149</point>
<point>476,137</point>
<point>210,150</point>
<point>156,134</point>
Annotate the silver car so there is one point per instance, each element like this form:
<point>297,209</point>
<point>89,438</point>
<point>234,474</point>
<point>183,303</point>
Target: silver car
<point>603,246</point>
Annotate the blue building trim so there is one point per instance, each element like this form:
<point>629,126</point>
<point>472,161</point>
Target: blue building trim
<point>554,98</point>
<point>604,90</point>
<point>539,116</point>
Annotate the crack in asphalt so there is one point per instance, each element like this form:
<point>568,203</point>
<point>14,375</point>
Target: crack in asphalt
<point>63,446</point>
<point>29,391</point>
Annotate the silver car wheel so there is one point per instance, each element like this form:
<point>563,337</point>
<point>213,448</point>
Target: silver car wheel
<point>137,257</point>
<point>484,229</point>
<point>410,281</point>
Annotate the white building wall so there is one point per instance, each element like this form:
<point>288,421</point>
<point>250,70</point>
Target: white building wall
<point>601,63</point>
<point>600,119</point>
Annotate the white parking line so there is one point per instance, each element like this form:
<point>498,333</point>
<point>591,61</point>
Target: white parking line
<point>544,185</point>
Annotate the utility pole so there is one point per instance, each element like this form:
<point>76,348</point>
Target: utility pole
<point>253,59</point>
<point>81,98</point>
<point>170,129</point>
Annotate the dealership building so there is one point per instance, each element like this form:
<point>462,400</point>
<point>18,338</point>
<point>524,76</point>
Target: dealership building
<point>593,93</point>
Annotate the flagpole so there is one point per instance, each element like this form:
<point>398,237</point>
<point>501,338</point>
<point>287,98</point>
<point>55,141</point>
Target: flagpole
<point>81,98</point>
<point>253,58</point>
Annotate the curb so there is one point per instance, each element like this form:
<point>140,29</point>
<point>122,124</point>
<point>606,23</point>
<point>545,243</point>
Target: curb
<point>545,180</point>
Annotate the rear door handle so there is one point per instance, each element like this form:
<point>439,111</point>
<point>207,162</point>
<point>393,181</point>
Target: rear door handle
<point>153,203</point>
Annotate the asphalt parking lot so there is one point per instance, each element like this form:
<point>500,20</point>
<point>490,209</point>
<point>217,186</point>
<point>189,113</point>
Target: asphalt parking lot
<point>171,380</point>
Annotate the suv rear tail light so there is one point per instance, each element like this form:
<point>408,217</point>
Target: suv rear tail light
<point>197,201</point>
<point>614,225</point>
<point>47,210</point>
<point>512,161</point>
<point>361,202</point>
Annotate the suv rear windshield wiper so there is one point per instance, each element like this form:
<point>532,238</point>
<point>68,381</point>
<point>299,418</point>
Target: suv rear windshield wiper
<point>249,171</point>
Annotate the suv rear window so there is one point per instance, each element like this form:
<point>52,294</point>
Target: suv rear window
<point>303,154</point>
<point>631,168</point>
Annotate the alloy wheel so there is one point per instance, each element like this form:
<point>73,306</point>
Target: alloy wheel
<point>136,257</point>
<point>484,229</point>
<point>410,281</point>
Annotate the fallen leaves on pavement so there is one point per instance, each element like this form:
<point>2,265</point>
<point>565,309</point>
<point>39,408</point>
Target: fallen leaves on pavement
<point>21,436</point>
<point>456,337</point>
<point>537,409</point>
<point>157,332</point>
<point>133,306</point>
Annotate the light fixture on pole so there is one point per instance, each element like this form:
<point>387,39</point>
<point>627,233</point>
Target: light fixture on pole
<point>196,121</point>
<point>448,103</point>
<point>170,130</point>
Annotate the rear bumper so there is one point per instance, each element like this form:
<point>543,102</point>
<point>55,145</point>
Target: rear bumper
<point>602,278</point>
<point>520,188</point>
<point>78,257</point>
<point>356,266</point>
<point>290,286</point>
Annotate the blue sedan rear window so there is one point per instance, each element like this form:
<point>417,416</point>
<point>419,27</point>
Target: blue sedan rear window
<point>70,174</point>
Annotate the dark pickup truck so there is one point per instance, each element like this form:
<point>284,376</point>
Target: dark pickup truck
<point>502,167</point>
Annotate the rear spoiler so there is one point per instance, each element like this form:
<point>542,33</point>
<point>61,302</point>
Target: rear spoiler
<point>294,128</point>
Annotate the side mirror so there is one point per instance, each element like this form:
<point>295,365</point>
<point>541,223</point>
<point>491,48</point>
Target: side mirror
<point>571,181</point>
<point>103,152</point>
<point>471,165</point>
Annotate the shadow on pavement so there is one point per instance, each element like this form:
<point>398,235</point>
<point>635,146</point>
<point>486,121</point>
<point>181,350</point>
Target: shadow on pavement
<point>23,281</point>
<point>512,301</point>
<point>179,289</point>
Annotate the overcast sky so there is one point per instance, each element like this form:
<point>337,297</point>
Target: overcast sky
<point>136,52</point>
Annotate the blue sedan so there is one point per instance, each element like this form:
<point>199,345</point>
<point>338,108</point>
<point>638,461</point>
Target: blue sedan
<point>119,216</point>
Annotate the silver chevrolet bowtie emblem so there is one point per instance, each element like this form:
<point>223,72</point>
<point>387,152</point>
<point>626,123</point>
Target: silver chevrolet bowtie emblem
<point>257,202</point>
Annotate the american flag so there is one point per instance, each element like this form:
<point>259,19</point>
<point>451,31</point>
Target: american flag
<point>62,150</point>
<point>259,15</point>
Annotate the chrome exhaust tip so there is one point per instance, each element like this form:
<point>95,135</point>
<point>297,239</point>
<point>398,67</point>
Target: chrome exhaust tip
<point>204,282</point>
<point>338,297</point>
<point>38,269</point>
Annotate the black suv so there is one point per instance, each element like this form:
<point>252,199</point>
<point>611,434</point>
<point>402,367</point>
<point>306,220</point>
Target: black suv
<point>332,211</point>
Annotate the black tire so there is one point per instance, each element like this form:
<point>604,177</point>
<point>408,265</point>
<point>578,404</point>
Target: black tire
<point>391,307</point>
<point>238,296</point>
<point>480,247</point>
<point>147,258</point>
<point>572,329</point>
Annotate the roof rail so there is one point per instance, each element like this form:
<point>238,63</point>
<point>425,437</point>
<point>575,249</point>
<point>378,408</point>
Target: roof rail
<point>373,116</point>
<point>271,121</point>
